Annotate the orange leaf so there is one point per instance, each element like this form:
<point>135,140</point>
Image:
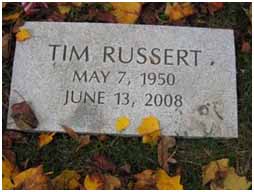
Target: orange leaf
<point>94,181</point>
<point>45,138</point>
<point>32,178</point>
<point>68,179</point>
<point>126,12</point>
<point>23,34</point>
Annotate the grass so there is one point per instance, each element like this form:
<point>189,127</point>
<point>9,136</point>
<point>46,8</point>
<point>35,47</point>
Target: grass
<point>191,154</point>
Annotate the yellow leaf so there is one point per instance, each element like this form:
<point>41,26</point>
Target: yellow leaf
<point>151,138</point>
<point>12,17</point>
<point>126,12</point>
<point>68,179</point>
<point>122,123</point>
<point>7,184</point>
<point>32,178</point>
<point>112,182</point>
<point>94,181</point>
<point>63,9</point>
<point>165,182</point>
<point>9,170</point>
<point>23,34</point>
<point>232,182</point>
<point>149,129</point>
<point>148,125</point>
<point>209,171</point>
<point>174,12</point>
<point>45,138</point>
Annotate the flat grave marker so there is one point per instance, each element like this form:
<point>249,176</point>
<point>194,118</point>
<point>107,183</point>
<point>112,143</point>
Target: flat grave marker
<point>86,75</point>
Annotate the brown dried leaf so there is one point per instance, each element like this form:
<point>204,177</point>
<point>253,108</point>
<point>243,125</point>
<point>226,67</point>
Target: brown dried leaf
<point>163,155</point>
<point>103,163</point>
<point>6,47</point>
<point>71,132</point>
<point>103,138</point>
<point>83,141</point>
<point>24,116</point>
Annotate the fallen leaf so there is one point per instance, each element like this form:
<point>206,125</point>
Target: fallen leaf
<point>149,129</point>
<point>209,171</point>
<point>7,184</point>
<point>145,180</point>
<point>187,9</point>
<point>174,12</point>
<point>214,7</point>
<point>165,182</point>
<point>165,143</point>
<point>45,138</point>
<point>112,182</point>
<point>234,182</point>
<point>103,138</point>
<point>83,141</point>
<point>9,170</point>
<point>64,10</point>
<point>126,12</point>
<point>246,48</point>
<point>6,48</point>
<point>68,179</point>
<point>122,123</point>
<point>12,17</point>
<point>103,163</point>
<point>178,11</point>
<point>151,138</point>
<point>71,132</point>
<point>32,178</point>
<point>94,181</point>
<point>23,34</point>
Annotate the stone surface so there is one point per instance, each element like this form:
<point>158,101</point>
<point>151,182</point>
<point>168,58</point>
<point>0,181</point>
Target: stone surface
<point>184,76</point>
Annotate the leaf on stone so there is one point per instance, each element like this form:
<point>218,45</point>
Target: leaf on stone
<point>178,11</point>
<point>71,132</point>
<point>126,12</point>
<point>68,179</point>
<point>165,143</point>
<point>122,123</point>
<point>94,181</point>
<point>210,171</point>
<point>31,179</point>
<point>24,116</point>
<point>166,182</point>
<point>145,180</point>
<point>103,163</point>
<point>112,182</point>
<point>45,138</point>
<point>23,34</point>
<point>149,129</point>
<point>214,7</point>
